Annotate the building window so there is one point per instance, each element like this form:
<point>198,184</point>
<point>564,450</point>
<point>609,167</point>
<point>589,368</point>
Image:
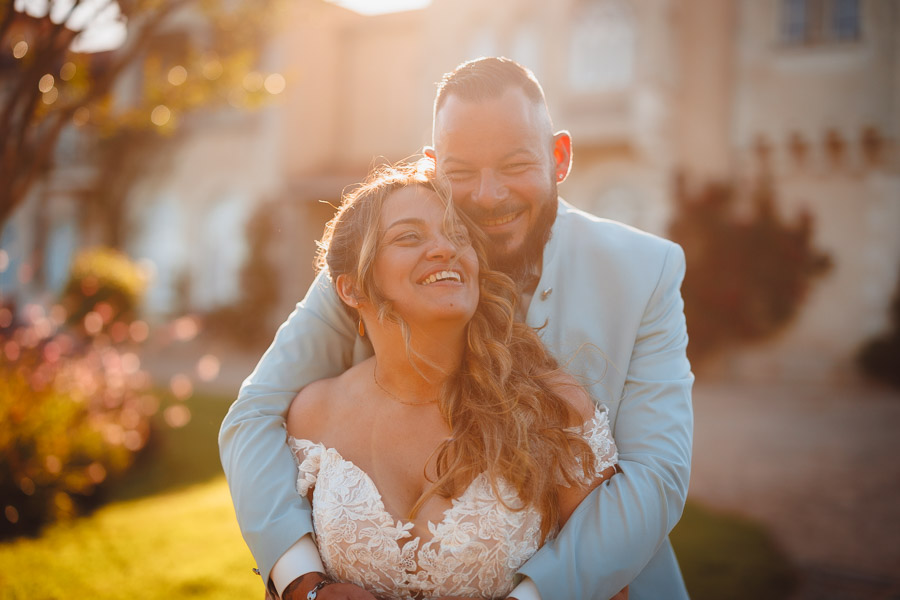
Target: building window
<point>602,47</point>
<point>819,21</point>
<point>845,19</point>
<point>794,21</point>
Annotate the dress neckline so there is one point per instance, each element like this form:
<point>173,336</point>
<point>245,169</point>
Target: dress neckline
<point>405,524</point>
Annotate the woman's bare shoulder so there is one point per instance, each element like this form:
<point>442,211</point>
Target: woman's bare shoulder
<point>310,407</point>
<point>571,391</point>
<point>322,403</point>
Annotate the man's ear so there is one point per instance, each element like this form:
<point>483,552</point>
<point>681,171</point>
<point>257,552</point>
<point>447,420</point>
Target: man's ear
<point>346,289</point>
<point>562,155</point>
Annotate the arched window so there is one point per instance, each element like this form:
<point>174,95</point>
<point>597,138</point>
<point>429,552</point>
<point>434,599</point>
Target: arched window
<point>602,47</point>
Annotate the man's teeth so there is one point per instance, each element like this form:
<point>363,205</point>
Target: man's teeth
<point>502,220</point>
<point>442,276</point>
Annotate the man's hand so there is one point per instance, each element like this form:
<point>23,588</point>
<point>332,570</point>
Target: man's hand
<point>300,587</point>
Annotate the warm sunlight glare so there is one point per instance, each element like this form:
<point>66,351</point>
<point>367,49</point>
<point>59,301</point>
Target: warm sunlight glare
<point>377,7</point>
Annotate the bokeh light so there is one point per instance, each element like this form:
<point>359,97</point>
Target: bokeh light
<point>93,323</point>
<point>46,83</point>
<point>213,69</point>
<point>67,71</point>
<point>20,49</point>
<point>177,75</point>
<point>177,416</point>
<point>185,328</point>
<point>131,363</point>
<point>139,331</point>
<point>160,115</point>
<point>208,367</point>
<point>50,96</point>
<point>275,83</point>
<point>181,386</point>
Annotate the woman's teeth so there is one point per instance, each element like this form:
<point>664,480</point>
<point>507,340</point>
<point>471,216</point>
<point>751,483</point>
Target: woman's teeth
<point>442,276</point>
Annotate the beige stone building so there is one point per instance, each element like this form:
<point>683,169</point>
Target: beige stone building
<point>807,91</point>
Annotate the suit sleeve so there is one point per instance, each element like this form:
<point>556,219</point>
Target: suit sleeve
<point>618,528</point>
<point>315,342</point>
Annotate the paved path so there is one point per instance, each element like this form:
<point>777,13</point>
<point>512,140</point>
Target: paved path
<point>819,466</point>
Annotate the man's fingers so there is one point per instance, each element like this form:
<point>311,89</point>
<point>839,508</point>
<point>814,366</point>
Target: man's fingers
<point>343,591</point>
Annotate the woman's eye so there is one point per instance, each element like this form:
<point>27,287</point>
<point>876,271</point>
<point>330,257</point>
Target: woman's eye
<point>410,236</point>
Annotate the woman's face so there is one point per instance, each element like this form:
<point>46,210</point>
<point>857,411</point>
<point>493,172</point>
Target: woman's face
<point>428,276</point>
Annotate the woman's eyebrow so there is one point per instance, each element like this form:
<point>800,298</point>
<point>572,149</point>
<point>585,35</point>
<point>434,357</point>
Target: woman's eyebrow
<point>405,221</point>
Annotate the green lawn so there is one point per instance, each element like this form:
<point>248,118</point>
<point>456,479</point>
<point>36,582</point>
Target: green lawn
<point>169,532</point>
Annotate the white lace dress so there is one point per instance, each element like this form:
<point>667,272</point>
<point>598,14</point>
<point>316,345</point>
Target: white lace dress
<point>474,550</point>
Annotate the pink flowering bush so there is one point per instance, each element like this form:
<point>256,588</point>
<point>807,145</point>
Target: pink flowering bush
<point>75,406</point>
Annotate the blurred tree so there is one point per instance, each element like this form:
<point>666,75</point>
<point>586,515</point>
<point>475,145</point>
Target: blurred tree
<point>880,357</point>
<point>177,56</point>
<point>748,272</point>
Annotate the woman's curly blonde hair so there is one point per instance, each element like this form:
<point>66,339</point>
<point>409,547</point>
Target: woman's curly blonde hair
<point>506,416</point>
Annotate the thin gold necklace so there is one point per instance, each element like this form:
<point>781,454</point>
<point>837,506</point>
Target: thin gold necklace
<point>394,396</point>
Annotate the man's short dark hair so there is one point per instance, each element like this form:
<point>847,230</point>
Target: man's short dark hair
<point>487,78</point>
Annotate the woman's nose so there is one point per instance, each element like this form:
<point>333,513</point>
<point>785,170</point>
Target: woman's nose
<point>442,248</point>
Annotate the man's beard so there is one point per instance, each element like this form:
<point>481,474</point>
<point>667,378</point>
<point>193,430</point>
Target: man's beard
<point>523,263</point>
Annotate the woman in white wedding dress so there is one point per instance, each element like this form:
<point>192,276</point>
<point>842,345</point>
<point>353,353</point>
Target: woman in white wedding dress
<point>441,464</point>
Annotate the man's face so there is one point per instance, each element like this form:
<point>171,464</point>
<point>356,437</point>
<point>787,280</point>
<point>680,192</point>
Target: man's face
<point>498,155</point>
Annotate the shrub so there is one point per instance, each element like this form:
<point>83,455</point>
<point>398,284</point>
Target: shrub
<point>105,281</point>
<point>747,274</point>
<point>75,406</point>
<point>880,357</point>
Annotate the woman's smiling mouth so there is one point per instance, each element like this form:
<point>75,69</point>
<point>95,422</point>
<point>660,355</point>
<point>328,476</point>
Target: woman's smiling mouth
<point>442,276</point>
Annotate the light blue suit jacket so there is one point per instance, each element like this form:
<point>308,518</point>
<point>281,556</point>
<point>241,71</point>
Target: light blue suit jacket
<point>609,307</point>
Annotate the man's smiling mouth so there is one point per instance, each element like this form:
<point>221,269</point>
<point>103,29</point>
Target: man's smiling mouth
<point>500,220</point>
<point>442,276</point>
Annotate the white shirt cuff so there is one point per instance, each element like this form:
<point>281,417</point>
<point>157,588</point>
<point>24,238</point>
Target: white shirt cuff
<point>300,559</point>
<point>526,590</point>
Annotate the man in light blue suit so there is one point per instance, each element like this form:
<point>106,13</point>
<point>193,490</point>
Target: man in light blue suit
<point>607,300</point>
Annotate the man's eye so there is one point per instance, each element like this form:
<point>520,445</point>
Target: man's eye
<point>459,175</point>
<point>516,167</point>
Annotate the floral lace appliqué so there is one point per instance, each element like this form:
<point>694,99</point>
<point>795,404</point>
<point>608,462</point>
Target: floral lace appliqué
<point>475,550</point>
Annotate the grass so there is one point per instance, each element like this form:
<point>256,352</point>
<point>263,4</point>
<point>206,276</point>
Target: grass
<point>169,531</point>
<point>726,556</point>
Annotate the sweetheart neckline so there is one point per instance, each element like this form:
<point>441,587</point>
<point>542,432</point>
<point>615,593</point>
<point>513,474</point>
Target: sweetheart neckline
<point>431,525</point>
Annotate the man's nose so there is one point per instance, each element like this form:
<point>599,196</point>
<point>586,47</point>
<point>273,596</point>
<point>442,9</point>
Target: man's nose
<point>490,189</point>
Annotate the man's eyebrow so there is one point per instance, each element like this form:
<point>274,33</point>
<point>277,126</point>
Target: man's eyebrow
<point>513,154</point>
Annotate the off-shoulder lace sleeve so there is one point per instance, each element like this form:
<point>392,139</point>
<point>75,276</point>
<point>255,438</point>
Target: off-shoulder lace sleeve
<point>597,434</point>
<point>599,437</point>
<point>308,456</point>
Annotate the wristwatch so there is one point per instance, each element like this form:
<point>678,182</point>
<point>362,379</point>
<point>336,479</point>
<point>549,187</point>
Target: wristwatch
<point>314,592</point>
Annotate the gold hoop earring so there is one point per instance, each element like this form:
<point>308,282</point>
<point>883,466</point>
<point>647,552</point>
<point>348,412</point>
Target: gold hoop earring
<point>361,328</point>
